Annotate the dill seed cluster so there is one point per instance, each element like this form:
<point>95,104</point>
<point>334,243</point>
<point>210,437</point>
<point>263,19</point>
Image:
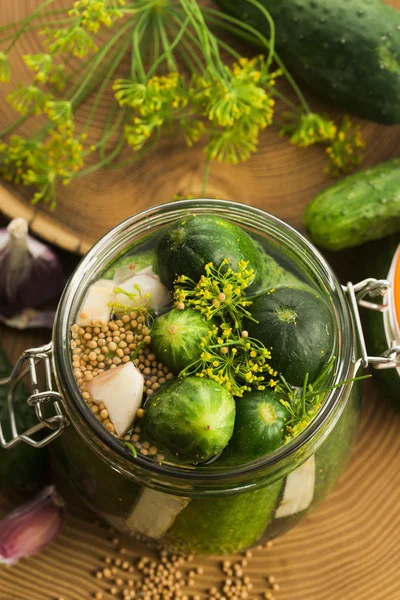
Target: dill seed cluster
<point>101,346</point>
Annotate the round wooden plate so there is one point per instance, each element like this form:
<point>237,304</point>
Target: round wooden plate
<point>279,178</point>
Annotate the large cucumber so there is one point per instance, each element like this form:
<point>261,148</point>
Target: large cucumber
<point>348,51</point>
<point>22,468</point>
<point>358,209</point>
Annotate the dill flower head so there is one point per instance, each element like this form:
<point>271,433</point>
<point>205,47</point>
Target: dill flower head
<point>96,13</point>
<point>311,128</point>
<point>56,159</point>
<point>346,150</point>
<point>59,111</point>
<point>75,40</point>
<point>159,93</point>
<point>13,158</point>
<point>234,144</point>
<point>4,68</point>
<point>233,360</point>
<point>239,93</point>
<point>40,64</point>
<point>28,98</point>
<point>220,292</point>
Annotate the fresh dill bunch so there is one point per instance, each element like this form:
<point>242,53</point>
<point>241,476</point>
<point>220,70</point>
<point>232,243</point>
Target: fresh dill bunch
<point>219,293</point>
<point>164,62</point>
<point>234,360</point>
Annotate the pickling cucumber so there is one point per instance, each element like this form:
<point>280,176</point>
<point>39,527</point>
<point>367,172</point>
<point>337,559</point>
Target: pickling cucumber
<point>22,467</point>
<point>358,209</point>
<point>298,328</point>
<point>347,51</point>
<point>188,245</point>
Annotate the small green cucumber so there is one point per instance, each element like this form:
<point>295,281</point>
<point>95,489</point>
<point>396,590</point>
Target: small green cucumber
<point>358,209</point>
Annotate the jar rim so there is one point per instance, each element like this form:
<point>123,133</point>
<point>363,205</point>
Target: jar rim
<point>86,423</point>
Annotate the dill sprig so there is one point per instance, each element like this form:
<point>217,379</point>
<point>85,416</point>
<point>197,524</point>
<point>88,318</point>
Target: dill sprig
<point>219,293</point>
<point>304,403</point>
<point>237,362</point>
<point>228,355</point>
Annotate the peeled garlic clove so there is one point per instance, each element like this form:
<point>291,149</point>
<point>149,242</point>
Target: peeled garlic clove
<point>299,490</point>
<point>146,289</point>
<point>31,526</point>
<point>97,303</point>
<point>121,391</point>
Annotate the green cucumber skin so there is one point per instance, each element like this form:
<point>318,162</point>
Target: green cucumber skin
<point>347,51</point>
<point>303,343</point>
<point>223,525</point>
<point>254,436</point>
<point>195,240</point>
<point>358,209</point>
<point>22,468</point>
<point>377,261</point>
<point>191,418</point>
<point>178,349</point>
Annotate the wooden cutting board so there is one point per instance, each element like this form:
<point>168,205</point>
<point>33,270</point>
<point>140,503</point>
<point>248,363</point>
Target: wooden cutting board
<point>280,178</point>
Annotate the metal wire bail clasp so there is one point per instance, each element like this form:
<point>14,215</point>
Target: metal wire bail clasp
<point>55,418</point>
<point>356,294</point>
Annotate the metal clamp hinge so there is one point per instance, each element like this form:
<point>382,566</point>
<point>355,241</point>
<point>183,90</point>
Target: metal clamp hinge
<point>356,294</point>
<point>53,418</point>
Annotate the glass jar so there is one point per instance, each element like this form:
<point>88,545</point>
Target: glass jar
<point>209,509</point>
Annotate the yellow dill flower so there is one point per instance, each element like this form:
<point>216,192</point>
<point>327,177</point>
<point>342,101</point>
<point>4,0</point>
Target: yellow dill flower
<point>75,40</point>
<point>310,129</point>
<point>96,13</point>
<point>55,159</point>
<point>13,158</point>
<point>40,64</point>
<point>4,68</point>
<point>28,98</point>
<point>57,77</point>
<point>138,133</point>
<point>239,94</point>
<point>346,150</point>
<point>192,130</point>
<point>232,145</point>
<point>59,111</point>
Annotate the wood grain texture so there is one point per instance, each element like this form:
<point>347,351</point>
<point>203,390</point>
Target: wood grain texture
<point>347,549</point>
<point>279,178</point>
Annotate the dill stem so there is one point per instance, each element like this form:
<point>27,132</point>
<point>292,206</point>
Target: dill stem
<point>48,13</point>
<point>26,24</point>
<point>254,37</point>
<point>99,57</point>
<point>110,72</point>
<point>171,48</point>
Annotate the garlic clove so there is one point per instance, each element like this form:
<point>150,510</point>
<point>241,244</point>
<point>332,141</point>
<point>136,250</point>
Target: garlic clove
<point>121,391</point>
<point>31,527</point>
<point>97,303</point>
<point>152,291</point>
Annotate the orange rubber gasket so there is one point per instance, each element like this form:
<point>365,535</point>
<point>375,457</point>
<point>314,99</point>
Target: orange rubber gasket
<point>397,289</point>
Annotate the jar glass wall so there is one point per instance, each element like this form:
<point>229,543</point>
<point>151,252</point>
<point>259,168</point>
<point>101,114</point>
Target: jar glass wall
<point>206,509</point>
